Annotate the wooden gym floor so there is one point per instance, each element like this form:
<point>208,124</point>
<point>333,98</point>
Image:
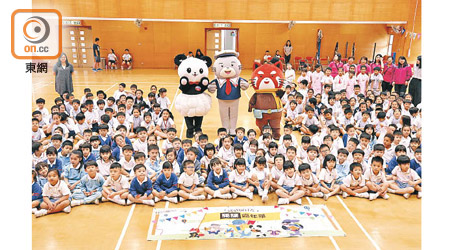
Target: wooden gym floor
<point>380,224</point>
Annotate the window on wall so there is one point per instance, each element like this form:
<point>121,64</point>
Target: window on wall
<point>391,40</point>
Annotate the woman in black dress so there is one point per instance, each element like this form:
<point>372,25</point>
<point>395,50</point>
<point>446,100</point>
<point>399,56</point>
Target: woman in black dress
<point>415,86</point>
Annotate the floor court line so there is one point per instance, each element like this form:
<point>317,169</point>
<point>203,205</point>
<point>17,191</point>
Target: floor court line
<point>130,214</point>
<point>158,245</point>
<point>125,227</point>
<point>333,241</point>
<point>359,224</point>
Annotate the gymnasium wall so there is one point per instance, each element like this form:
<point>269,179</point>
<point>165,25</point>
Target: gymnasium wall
<point>154,44</point>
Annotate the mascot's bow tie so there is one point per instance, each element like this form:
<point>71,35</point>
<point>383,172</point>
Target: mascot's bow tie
<point>228,87</point>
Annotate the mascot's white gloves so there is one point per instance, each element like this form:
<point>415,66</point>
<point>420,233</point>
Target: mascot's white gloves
<point>184,80</point>
<point>204,81</point>
<point>244,84</point>
<point>212,88</point>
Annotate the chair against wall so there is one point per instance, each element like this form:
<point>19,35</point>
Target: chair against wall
<point>325,61</point>
<point>297,62</point>
<point>309,60</point>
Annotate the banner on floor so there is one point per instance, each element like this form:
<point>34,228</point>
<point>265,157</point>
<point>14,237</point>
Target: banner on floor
<point>242,222</point>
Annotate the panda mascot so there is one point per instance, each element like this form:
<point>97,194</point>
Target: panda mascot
<point>193,103</point>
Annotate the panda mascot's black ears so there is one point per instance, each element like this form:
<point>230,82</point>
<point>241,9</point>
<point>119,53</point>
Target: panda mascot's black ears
<point>179,58</point>
<point>207,60</point>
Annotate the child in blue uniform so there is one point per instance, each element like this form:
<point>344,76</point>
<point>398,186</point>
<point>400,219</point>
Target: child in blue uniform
<point>74,171</point>
<point>166,185</point>
<point>91,186</point>
<point>141,187</point>
<point>217,182</point>
<point>36,192</point>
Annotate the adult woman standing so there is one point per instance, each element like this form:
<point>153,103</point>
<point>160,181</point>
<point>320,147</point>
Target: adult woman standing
<point>335,65</point>
<point>63,75</point>
<point>401,76</point>
<point>287,51</point>
<point>388,75</point>
<point>415,86</point>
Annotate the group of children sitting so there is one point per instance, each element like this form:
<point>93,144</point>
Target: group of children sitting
<point>124,149</point>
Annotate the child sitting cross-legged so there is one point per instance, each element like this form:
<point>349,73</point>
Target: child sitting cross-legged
<point>166,185</point>
<point>56,195</point>
<point>188,183</point>
<point>354,184</point>
<point>141,187</point>
<point>91,186</point>
<point>239,180</point>
<point>289,186</point>
<point>376,179</point>
<point>116,186</point>
<point>406,179</point>
<point>217,183</point>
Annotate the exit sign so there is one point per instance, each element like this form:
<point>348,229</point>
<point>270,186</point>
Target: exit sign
<point>222,25</point>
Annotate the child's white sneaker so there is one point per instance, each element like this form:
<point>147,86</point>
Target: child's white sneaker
<point>419,195</point>
<point>148,202</point>
<point>265,198</point>
<point>299,201</point>
<point>120,202</point>
<point>317,195</point>
<point>157,199</point>
<point>250,196</point>
<point>227,196</point>
<point>234,195</point>
<point>201,197</point>
<point>406,195</point>
<point>385,196</point>
<point>344,195</point>
<point>260,191</point>
<point>326,196</point>
<point>390,190</point>
<point>74,203</point>
<point>97,201</point>
<point>67,209</point>
<point>172,199</point>
<point>34,210</point>
<point>363,195</point>
<point>182,199</point>
<point>373,196</point>
<point>104,199</point>
<point>209,197</point>
<point>283,201</point>
<point>40,213</point>
<point>128,202</point>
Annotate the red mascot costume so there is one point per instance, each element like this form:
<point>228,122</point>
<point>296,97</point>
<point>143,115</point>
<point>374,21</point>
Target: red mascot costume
<point>267,80</point>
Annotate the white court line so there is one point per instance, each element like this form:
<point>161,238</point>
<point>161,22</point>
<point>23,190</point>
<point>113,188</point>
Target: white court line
<point>359,224</point>
<point>111,87</point>
<point>330,237</point>
<point>124,230</point>
<point>173,100</point>
<point>158,245</point>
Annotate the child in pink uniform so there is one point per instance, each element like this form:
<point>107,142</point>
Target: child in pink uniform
<point>339,81</point>
<point>363,79</point>
<point>350,83</point>
<point>316,79</point>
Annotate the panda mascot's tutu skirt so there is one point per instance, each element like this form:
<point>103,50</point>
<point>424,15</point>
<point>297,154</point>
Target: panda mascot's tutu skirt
<point>193,105</point>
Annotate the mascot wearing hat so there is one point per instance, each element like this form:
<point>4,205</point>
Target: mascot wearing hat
<point>267,80</point>
<point>228,84</point>
<point>193,103</point>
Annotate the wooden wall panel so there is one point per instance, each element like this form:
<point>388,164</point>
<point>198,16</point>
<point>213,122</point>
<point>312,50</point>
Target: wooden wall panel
<point>156,46</point>
<point>350,10</point>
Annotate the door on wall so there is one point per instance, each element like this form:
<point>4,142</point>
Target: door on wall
<point>77,44</point>
<point>221,39</point>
